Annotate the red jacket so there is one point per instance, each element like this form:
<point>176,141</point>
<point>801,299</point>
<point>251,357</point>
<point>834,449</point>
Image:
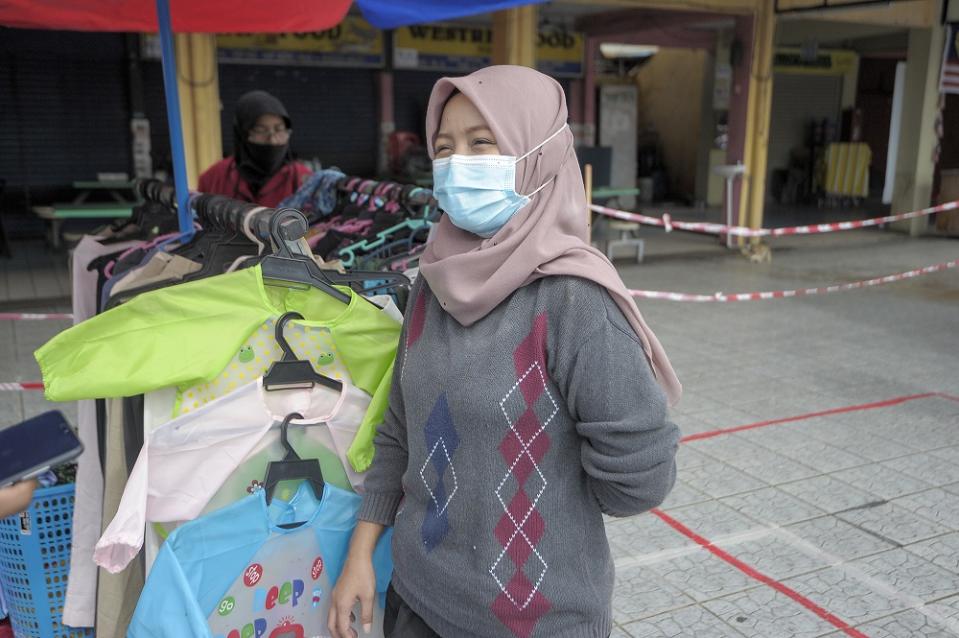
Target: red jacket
<point>224,179</point>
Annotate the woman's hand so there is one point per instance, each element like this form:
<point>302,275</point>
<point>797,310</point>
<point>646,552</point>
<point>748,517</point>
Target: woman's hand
<point>357,582</point>
<point>16,498</point>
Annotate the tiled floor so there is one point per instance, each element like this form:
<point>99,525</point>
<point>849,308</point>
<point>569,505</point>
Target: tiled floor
<point>841,524</point>
<point>33,273</point>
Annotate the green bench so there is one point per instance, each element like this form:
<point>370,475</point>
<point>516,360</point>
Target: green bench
<point>56,214</point>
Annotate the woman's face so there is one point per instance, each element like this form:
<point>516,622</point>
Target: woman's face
<point>269,129</point>
<point>463,131</point>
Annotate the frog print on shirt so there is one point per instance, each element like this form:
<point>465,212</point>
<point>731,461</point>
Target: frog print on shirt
<point>252,360</point>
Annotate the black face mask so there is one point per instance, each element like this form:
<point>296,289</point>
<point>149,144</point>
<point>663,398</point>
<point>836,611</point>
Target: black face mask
<point>266,159</point>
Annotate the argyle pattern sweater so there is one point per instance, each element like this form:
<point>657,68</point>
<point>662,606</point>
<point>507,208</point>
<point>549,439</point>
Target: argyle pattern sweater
<point>503,444</point>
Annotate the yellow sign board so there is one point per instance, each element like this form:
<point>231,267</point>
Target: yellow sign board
<point>824,62</point>
<point>353,42</point>
<point>458,48</point>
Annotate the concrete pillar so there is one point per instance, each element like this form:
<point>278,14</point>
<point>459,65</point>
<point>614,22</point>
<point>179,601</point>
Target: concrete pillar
<point>514,36</point>
<point>575,101</point>
<point>736,118</point>
<point>912,189</point>
<point>757,116</point>
<point>589,93</point>
<point>199,85</point>
<point>387,122</point>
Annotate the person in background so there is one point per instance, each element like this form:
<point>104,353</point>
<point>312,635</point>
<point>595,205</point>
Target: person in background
<point>262,169</point>
<point>16,498</point>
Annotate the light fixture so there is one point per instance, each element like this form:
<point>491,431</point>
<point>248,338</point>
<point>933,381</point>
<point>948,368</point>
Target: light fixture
<point>612,50</point>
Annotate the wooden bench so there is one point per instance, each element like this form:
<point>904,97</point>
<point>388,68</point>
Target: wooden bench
<point>56,214</point>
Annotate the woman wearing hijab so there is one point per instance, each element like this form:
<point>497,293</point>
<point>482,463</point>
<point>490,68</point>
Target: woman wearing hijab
<point>261,169</point>
<point>529,396</point>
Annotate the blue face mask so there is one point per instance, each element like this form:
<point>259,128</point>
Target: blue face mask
<point>478,192</point>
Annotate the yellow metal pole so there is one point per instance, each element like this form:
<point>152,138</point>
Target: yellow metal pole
<point>514,36</point>
<point>757,117</point>
<point>199,88</point>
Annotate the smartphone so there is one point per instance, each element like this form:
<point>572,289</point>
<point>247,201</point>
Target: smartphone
<point>36,445</point>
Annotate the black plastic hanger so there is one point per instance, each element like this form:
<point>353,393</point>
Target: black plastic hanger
<point>289,265</point>
<point>292,373</point>
<point>292,467</point>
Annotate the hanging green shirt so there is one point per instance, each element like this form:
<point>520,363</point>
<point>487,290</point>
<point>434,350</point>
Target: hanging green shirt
<point>188,334</point>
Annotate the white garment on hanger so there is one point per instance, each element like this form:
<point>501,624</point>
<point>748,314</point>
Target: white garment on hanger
<point>204,459</point>
<point>79,608</point>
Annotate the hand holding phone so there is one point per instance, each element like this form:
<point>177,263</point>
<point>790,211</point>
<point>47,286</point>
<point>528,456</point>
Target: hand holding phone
<point>36,445</point>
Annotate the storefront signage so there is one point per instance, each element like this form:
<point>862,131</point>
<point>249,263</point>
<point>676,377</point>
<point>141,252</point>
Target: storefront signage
<point>352,43</point>
<point>822,62</point>
<point>456,48</point>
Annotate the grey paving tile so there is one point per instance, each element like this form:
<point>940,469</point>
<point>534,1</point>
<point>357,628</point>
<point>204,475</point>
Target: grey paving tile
<point>775,469</point>
<point>838,538</point>
<point>687,457</point>
<point>881,481</point>
<point>766,613</point>
<point>942,551</point>
<point>910,574</point>
<point>682,495</point>
<point>773,506</point>
<point>640,593</point>
<point>844,595</point>
<point>926,467</point>
<point>824,457</point>
<point>877,448</point>
<point>785,438</point>
<point>907,624</point>
<point>828,493</point>
<point>950,454</point>
<point>11,408</point>
<point>683,623</point>
<point>718,479</point>
<point>694,424</point>
<point>936,505</point>
<point>894,523</point>
<point>776,555</point>
<point>703,576</point>
<point>728,447</point>
<point>619,632</point>
<point>642,534</point>
<point>713,519</point>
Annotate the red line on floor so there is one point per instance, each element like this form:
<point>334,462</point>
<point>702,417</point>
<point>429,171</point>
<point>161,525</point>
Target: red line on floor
<point>802,417</point>
<point>753,573</point>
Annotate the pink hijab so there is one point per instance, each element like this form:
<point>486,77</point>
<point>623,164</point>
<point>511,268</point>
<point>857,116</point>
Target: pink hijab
<point>471,275</point>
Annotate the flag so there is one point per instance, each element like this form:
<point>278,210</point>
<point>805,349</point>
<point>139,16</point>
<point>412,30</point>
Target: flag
<point>949,80</point>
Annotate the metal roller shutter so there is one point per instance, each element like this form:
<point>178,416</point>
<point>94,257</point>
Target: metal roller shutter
<point>64,112</point>
<point>334,111</point>
<point>797,99</point>
<point>411,95</point>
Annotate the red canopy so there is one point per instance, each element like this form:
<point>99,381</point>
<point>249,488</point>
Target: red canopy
<point>188,16</point>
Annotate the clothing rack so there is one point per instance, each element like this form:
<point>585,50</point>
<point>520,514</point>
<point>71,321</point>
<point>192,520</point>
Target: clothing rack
<point>228,214</point>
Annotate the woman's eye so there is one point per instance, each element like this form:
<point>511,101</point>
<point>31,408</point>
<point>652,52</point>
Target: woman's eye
<point>481,141</point>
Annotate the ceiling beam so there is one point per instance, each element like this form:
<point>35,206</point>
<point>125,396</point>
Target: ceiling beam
<point>640,19</point>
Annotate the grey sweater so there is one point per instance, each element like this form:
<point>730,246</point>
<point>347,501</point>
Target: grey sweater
<point>503,443</point>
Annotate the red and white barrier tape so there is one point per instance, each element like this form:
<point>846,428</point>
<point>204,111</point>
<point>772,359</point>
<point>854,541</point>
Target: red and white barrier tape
<point>800,292</point>
<point>741,231</point>
<point>19,387</point>
<point>33,316</point>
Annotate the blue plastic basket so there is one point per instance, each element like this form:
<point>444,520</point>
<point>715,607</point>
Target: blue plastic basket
<point>34,563</point>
